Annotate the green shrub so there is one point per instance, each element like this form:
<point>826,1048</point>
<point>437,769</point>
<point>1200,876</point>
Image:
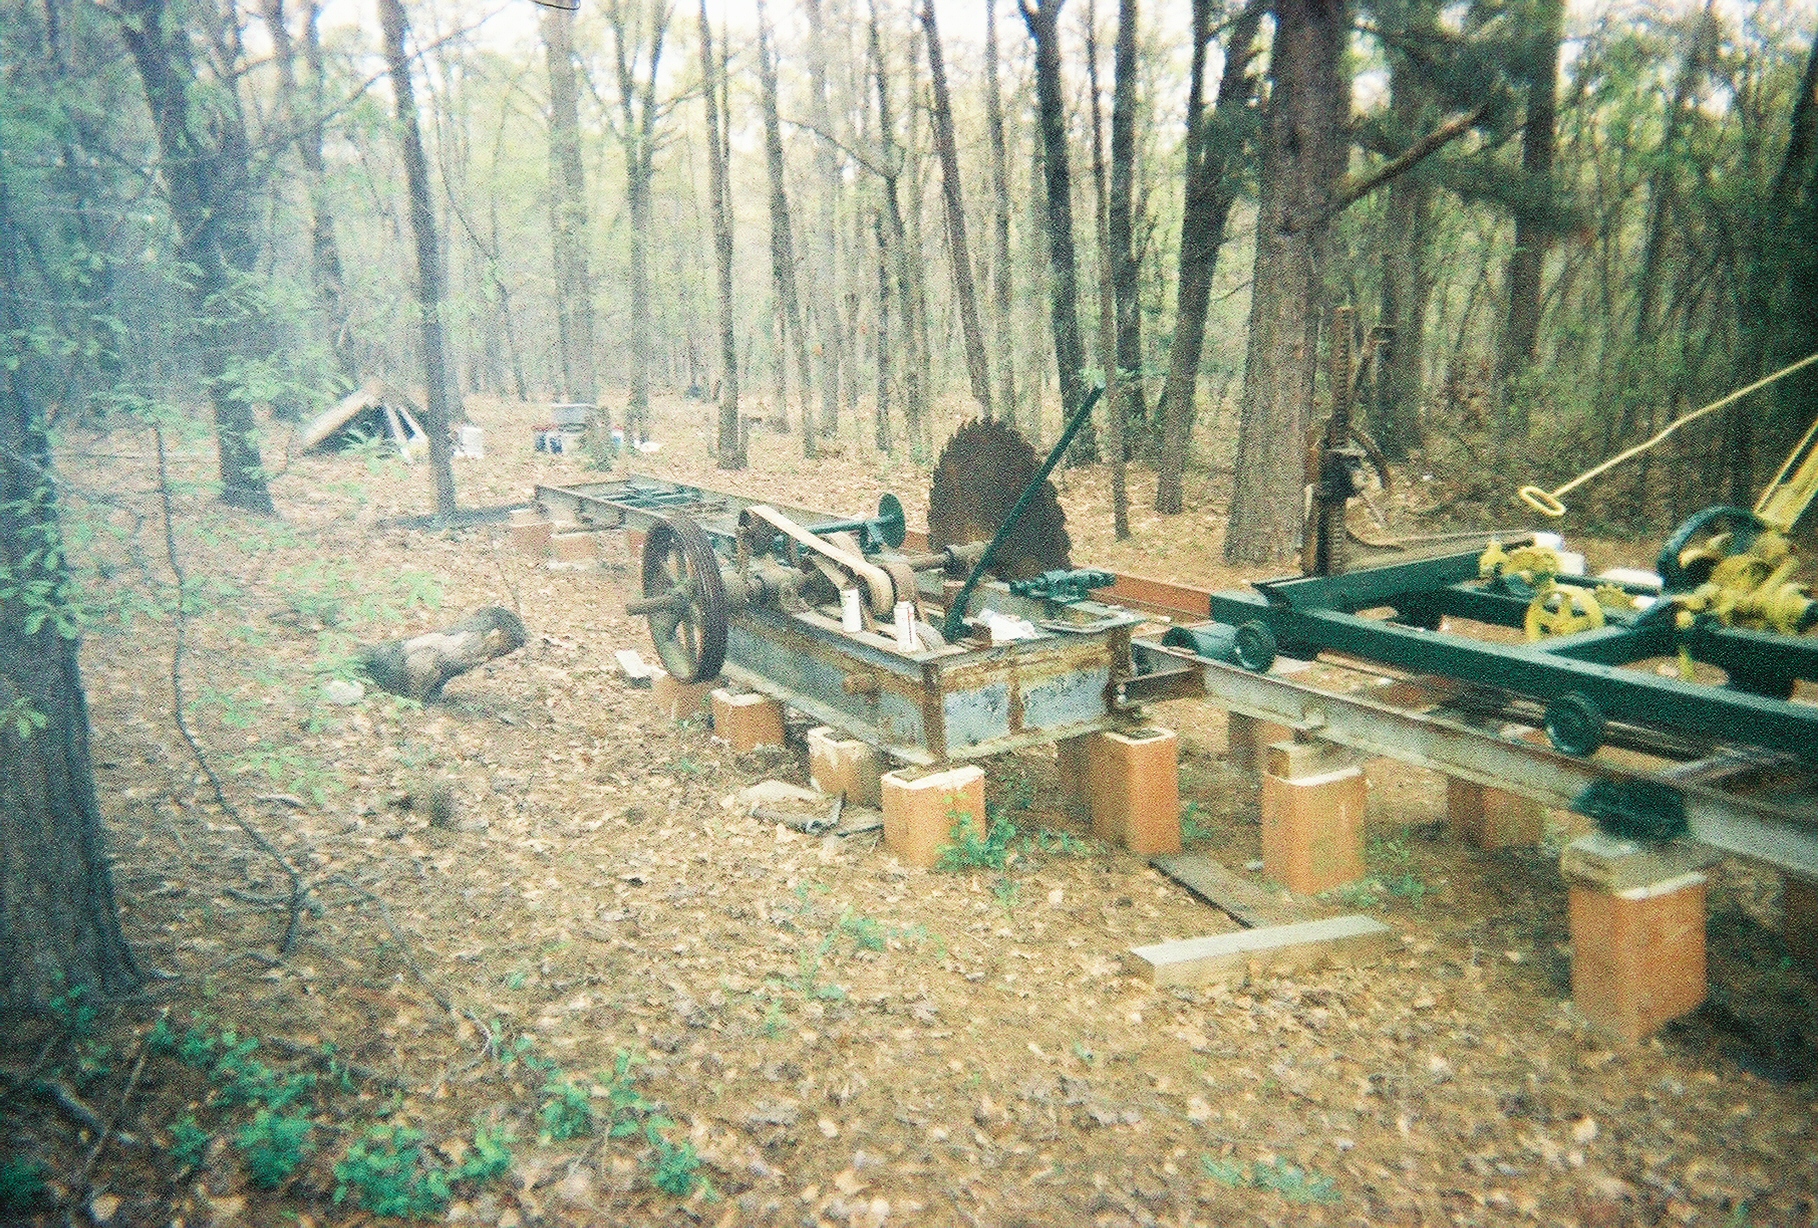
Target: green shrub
<point>567,1109</point>
<point>972,849</point>
<point>274,1146</point>
<point>189,1142</point>
<point>386,1173</point>
<point>22,1187</point>
<point>675,1170</point>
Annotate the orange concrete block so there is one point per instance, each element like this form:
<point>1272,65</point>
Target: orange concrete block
<point>747,721</point>
<point>920,810</point>
<point>573,547</point>
<point>679,700</point>
<point>1247,739</point>
<point>1638,955</point>
<point>1312,829</point>
<point>844,765</point>
<point>1132,785</point>
<point>530,532</point>
<point>1799,921</point>
<point>1491,818</point>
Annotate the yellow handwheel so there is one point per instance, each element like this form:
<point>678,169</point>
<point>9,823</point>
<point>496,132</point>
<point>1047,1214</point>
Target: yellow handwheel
<point>1562,609</point>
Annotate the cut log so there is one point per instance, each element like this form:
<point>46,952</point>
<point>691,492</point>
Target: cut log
<point>418,667</point>
<point>1276,949</point>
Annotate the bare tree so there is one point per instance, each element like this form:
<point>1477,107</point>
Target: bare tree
<point>568,211</point>
<point>1303,151</point>
<point>429,258</point>
<point>782,242</point>
<point>1214,151</point>
<point>958,251</point>
<point>889,167</point>
<point>206,164</point>
<point>635,40</point>
<point>1115,383</point>
<point>825,307</point>
<point>1043,22</point>
<point>1000,194</point>
<point>713,88</point>
<point>1120,219</point>
<point>1538,140</point>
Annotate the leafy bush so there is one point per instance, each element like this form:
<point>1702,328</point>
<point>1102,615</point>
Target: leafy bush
<point>386,1173</point>
<point>275,1146</point>
<point>22,1186</point>
<point>1292,1183</point>
<point>676,1170</point>
<point>189,1142</point>
<point>975,850</point>
<point>567,1109</point>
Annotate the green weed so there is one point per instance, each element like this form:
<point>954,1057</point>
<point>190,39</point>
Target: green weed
<point>973,849</point>
<point>1297,1185</point>
<point>567,1110</point>
<point>189,1142</point>
<point>866,934</point>
<point>274,1146</point>
<point>1192,831</point>
<point>22,1187</point>
<point>676,1170</point>
<point>386,1172</point>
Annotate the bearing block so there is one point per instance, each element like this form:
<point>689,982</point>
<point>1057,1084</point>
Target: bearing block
<point>920,810</point>
<point>844,765</point>
<point>747,721</point>
<point>1637,920</point>
<point>1491,818</point>
<point>1130,784</point>
<point>1312,825</point>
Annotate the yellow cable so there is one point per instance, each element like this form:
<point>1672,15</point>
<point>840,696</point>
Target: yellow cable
<point>1547,502</point>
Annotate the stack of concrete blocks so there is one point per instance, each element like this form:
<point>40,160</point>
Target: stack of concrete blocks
<point>1313,800</point>
<point>1637,920</point>
<point>845,765</point>
<point>1130,785</point>
<point>538,537</point>
<point>921,810</point>
<point>747,721</point>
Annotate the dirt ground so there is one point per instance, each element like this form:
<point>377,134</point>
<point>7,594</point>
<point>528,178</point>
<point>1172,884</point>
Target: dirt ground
<point>815,1034</point>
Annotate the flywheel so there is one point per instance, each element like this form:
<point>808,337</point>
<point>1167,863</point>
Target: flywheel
<point>684,600</point>
<point>981,473</point>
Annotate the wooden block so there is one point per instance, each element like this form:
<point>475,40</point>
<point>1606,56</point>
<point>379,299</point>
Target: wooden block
<point>679,700</point>
<point>920,811</point>
<point>747,721</point>
<point>1245,902</point>
<point>1799,921</point>
<point>1246,738</point>
<point>1312,830</point>
<point>1611,863</point>
<point>1277,948</point>
<point>573,547</point>
<point>1133,788</point>
<point>844,765</point>
<point>1492,818</point>
<point>1638,957</point>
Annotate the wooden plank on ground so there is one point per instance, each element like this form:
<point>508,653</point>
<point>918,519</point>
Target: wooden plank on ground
<point>1277,948</point>
<point>1247,903</point>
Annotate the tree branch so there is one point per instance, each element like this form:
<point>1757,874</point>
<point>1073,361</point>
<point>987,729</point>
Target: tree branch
<point>1350,191</point>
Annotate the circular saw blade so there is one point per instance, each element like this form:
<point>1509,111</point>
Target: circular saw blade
<point>982,472</point>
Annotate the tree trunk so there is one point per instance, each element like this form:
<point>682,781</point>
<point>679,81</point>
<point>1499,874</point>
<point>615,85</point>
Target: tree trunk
<point>713,77</point>
<point>206,190</point>
<point>958,250</point>
<point>782,242</point>
<point>1120,222</point>
<point>568,212</point>
<point>1043,22</point>
<point>826,281</point>
<point>59,928</point>
<point>1115,383</point>
<point>637,137</point>
<point>429,259</point>
<point>915,387</point>
<point>1214,149</point>
<point>1005,329</point>
<point>1303,152</point>
<point>1538,138</point>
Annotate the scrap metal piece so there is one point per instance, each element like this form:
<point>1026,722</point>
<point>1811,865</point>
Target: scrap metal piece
<point>981,472</point>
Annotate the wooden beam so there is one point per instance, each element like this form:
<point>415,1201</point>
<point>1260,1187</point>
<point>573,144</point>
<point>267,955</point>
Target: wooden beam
<point>1277,948</point>
<point>1247,903</point>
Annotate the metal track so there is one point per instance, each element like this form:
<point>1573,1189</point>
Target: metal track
<point>1779,829</point>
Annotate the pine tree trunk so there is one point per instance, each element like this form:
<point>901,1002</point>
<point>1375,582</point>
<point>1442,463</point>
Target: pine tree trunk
<point>59,927</point>
<point>1213,152</point>
<point>1115,384</point>
<point>568,212</point>
<point>637,135</point>
<point>713,77</point>
<point>958,250</point>
<point>1043,22</point>
<point>1120,224</point>
<point>1522,327</point>
<point>826,279</point>
<point>429,260</point>
<point>914,370</point>
<point>882,341</point>
<point>1406,279</point>
<point>206,191</point>
<point>1005,329</point>
<point>782,242</point>
<point>1302,158</point>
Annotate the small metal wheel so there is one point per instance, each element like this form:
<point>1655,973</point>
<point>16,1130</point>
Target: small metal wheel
<point>684,600</point>
<point>1574,724</point>
<point>1253,646</point>
<point>1562,609</point>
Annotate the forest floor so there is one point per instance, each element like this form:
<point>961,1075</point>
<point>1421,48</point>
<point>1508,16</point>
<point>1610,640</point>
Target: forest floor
<point>734,1024</point>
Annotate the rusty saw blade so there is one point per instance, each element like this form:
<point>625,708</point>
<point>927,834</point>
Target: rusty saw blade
<point>981,473</point>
